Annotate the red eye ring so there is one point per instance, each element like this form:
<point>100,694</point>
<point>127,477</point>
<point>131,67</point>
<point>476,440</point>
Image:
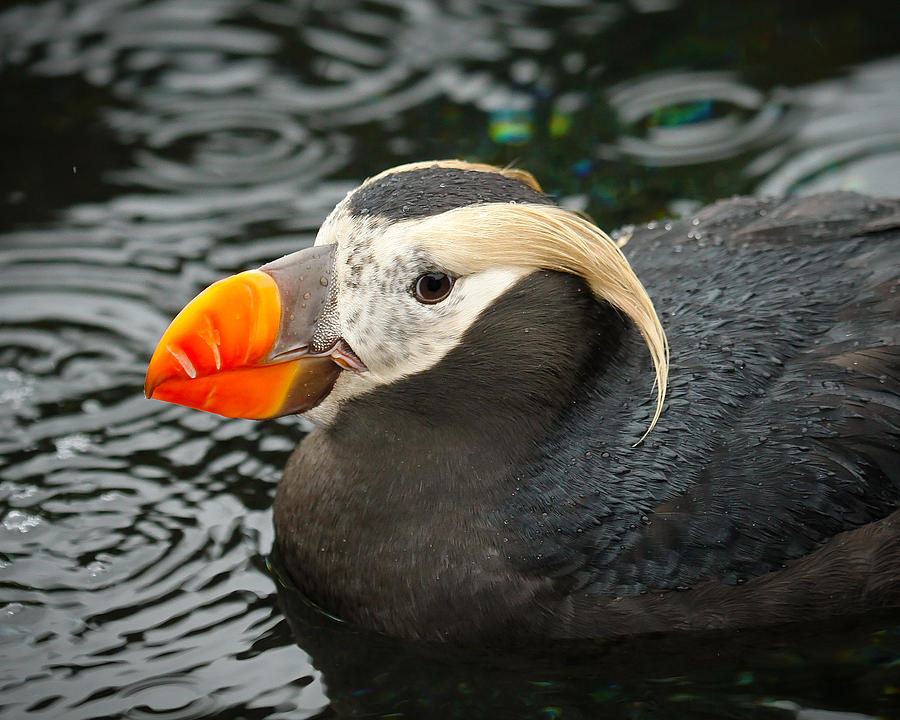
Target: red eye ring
<point>433,287</point>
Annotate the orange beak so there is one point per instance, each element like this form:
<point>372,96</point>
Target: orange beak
<point>252,346</point>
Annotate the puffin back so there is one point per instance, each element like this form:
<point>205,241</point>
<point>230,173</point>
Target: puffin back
<point>781,426</point>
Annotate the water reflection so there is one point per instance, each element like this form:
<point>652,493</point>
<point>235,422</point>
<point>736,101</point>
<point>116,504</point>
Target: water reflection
<point>742,676</point>
<point>165,144</point>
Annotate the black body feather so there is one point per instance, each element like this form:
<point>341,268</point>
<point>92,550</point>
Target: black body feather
<point>500,494</point>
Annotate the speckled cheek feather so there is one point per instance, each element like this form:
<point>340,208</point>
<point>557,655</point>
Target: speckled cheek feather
<point>377,264</point>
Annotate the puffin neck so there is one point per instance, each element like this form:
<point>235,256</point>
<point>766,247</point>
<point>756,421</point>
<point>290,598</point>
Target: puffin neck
<point>493,399</point>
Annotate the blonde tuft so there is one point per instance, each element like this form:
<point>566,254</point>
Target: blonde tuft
<point>476,237</point>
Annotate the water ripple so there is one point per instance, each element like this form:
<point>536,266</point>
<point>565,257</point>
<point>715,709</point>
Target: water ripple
<point>232,149</point>
<point>685,118</point>
<point>850,141</point>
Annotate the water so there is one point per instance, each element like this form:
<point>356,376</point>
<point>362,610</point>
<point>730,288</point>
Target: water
<point>153,147</point>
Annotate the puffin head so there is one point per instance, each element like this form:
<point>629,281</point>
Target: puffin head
<point>400,270</point>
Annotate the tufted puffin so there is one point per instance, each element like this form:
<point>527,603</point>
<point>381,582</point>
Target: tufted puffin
<point>513,441</point>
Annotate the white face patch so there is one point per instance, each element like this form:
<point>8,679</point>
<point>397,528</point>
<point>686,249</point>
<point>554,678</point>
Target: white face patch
<point>377,264</point>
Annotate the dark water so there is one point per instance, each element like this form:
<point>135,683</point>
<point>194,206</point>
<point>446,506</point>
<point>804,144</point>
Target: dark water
<point>151,147</point>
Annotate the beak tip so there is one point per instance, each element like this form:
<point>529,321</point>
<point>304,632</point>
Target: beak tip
<point>154,377</point>
<point>150,390</point>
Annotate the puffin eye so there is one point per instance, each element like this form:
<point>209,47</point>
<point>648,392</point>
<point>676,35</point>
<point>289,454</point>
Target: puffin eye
<point>431,288</point>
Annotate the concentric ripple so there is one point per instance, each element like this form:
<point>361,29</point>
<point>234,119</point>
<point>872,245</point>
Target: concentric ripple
<point>687,118</point>
<point>850,141</point>
<point>227,149</point>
